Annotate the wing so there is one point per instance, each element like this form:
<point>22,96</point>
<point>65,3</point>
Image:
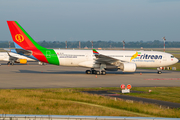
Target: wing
<point>20,51</point>
<point>12,58</point>
<point>100,58</point>
<point>24,52</point>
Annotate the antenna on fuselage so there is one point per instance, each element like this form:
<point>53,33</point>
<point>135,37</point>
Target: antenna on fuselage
<point>164,42</point>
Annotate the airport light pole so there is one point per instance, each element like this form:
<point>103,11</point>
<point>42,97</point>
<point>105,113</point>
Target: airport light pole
<point>66,44</point>
<point>123,45</point>
<point>9,45</point>
<point>79,45</point>
<point>92,43</point>
<point>164,42</point>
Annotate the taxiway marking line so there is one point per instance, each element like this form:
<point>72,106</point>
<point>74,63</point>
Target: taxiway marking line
<point>163,79</point>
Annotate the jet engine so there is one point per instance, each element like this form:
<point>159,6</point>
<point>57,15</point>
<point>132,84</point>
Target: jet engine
<point>128,67</point>
<point>22,61</point>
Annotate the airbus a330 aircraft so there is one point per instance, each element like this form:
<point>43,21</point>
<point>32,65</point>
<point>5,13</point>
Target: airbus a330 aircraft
<point>12,58</point>
<point>99,62</point>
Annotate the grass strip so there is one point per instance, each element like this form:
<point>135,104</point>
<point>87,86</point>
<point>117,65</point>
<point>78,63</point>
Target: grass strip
<point>110,108</point>
<point>57,102</point>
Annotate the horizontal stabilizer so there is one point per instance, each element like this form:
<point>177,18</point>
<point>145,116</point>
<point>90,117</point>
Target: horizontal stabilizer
<point>24,52</point>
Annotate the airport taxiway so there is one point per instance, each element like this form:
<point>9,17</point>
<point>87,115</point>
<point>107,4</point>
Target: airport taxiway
<point>51,76</point>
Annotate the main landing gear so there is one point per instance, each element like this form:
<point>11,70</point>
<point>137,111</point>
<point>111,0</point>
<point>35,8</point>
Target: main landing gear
<point>97,72</point>
<point>10,63</point>
<point>159,71</point>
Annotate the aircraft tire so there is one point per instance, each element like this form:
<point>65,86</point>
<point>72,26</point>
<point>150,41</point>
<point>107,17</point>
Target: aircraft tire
<point>97,72</point>
<point>93,71</point>
<point>88,72</point>
<point>159,72</point>
<point>103,72</point>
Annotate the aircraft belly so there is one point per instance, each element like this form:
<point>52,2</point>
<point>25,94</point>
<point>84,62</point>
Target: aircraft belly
<point>69,61</point>
<point>148,64</point>
<point>5,59</point>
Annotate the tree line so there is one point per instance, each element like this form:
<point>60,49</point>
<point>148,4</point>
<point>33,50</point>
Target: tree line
<point>101,44</point>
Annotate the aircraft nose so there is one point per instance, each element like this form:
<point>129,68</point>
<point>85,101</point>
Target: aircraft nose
<point>176,60</point>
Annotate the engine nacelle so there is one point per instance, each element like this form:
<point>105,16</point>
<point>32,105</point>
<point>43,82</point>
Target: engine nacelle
<point>128,67</point>
<point>111,68</point>
<point>22,61</point>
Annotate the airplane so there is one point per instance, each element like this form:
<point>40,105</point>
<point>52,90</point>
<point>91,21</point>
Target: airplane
<point>14,58</point>
<point>98,62</point>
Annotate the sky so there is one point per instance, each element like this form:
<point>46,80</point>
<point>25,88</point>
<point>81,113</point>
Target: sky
<point>84,20</point>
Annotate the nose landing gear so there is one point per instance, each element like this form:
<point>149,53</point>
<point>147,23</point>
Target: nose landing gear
<point>159,71</point>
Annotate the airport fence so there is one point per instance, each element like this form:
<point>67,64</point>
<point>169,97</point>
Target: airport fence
<point>71,117</point>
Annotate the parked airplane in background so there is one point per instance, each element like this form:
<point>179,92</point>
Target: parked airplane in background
<point>12,58</point>
<point>99,62</point>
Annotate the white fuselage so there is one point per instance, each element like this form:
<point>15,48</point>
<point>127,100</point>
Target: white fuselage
<point>86,58</point>
<point>5,57</point>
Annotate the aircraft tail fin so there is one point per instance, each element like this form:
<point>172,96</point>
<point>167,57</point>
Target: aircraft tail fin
<point>25,45</point>
<point>21,38</point>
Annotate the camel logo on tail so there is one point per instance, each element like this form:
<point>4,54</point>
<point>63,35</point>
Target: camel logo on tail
<point>19,37</point>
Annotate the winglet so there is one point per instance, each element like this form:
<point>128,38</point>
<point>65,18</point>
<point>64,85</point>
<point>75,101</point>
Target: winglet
<point>95,52</point>
<point>7,49</point>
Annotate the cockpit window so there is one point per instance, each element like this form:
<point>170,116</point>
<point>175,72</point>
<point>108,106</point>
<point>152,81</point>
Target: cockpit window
<point>172,56</point>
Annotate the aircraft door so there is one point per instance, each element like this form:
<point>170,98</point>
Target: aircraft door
<point>164,58</point>
<point>6,56</point>
<point>87,56</point>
